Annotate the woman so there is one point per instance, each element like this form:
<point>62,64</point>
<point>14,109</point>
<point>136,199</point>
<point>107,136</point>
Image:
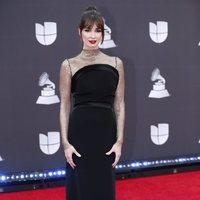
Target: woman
<point>92,132</point>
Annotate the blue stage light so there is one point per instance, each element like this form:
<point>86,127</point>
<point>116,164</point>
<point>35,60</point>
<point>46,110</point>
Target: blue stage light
<point>50,174</point>
<point>59,173</point>
<point>26,176</point>
<point>22,176</point>
<point>3,178</point>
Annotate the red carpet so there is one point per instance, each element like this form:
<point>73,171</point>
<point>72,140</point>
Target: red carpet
<point>183,186</point>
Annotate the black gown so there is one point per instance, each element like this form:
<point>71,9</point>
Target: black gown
<point>92,131</point>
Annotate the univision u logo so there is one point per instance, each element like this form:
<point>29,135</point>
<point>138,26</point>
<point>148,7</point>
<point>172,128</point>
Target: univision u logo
<point>46,35</point>
<point>49,144</point>
<point>160,133</point>
<point>158,32</point>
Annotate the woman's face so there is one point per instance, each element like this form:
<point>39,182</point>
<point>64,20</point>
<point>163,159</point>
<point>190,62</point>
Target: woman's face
<point>91,37</point>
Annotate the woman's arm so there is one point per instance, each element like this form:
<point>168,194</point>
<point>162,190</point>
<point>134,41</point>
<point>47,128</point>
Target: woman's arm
<point>119,105</point>
<point>119,108</point>
<point>65,104</point>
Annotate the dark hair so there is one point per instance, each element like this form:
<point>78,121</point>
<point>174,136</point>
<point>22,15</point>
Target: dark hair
<point>90,17</point>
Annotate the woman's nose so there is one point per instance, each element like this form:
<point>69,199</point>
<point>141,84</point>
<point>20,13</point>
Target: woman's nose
<point>92,34</point>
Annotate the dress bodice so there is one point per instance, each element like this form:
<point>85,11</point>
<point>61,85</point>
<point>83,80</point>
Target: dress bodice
<point>94,83</point>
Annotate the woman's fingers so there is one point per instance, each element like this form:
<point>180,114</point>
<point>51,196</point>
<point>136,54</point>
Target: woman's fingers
<point>116,148</point>
<point>68,153</point>
<point>77,153</point>
<point>117,157</point>
<point>72,164</point>
<point>109,152</point>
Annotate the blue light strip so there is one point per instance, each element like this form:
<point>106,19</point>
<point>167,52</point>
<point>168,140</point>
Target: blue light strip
<point>34,176</point>
<point>31,176</point>
<point>159,163</point>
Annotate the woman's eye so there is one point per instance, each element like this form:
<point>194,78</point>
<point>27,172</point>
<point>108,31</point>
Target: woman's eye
<point>98,30</point>
<point>87,30</point>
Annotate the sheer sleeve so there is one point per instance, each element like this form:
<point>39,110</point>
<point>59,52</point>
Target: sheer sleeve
<point>65,103</point>
<point>119,104</point>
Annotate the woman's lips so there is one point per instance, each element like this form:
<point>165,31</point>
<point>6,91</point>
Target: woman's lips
<point>92,41</point>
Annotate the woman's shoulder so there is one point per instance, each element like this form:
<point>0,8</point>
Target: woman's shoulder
<point>65,62</point>
<point>115,59</point>
<point>111,56</point>
<point>70,60</point>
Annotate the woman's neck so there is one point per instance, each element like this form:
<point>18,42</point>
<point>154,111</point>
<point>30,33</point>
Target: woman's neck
<point>90,53</point>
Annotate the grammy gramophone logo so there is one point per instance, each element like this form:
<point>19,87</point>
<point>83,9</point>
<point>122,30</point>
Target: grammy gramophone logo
<point>158,90</point>
<point>1,159</point>
<point>107,42</point>
<point>48,91</point>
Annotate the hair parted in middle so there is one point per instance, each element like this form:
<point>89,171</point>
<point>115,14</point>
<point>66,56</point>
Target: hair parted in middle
<point>90,17</point>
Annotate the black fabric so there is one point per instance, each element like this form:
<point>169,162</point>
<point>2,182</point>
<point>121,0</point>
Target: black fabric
<point>92,131</point>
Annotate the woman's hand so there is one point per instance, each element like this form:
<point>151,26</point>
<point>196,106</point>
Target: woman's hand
<point>116,148</point>
<point>69,150</point>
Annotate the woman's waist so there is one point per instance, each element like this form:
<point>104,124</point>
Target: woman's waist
<point>93,104</point>
<point>93,100</point>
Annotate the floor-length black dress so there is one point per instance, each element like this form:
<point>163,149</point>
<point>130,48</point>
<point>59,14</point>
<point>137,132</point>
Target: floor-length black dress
<point>92,131</point>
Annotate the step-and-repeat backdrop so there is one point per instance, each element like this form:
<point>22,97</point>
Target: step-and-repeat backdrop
<point>159,43</point>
